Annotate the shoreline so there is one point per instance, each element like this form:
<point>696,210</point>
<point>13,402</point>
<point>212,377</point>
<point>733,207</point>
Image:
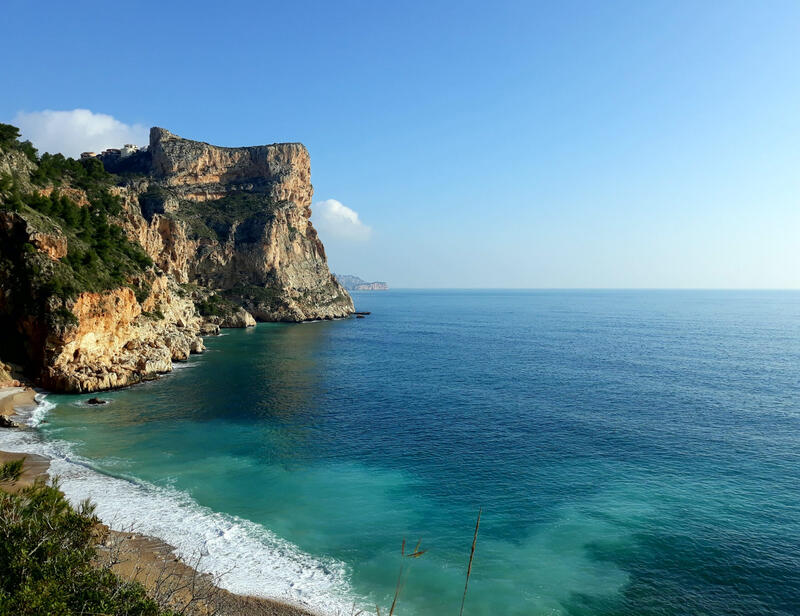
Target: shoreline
<point>16,399</point>
<point>139,557</point>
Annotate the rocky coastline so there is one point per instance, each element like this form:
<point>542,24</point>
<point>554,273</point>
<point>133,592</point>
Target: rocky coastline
<point>216,237</point>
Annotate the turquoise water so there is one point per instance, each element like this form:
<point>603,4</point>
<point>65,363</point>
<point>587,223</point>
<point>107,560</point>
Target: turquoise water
<point>634,453</point>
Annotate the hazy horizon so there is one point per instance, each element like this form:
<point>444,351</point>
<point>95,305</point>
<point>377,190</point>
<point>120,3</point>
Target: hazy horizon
<point>531,146</point>
<point>732,289</point>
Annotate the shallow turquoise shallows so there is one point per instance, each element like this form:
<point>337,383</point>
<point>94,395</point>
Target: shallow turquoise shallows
<point>634,453</point>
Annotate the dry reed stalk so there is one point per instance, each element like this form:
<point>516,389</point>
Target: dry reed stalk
<point>471,556</point>
<point>400,582</point>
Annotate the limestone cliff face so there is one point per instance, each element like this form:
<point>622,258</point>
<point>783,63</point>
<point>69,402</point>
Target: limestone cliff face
<point>117,341</point>
<point>237,220</point>
<point>202,171</point>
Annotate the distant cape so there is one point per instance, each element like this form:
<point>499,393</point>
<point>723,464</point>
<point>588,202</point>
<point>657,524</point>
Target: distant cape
<point>354,283</point>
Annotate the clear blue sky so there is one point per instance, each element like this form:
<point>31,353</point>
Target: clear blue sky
<point>502,144</point>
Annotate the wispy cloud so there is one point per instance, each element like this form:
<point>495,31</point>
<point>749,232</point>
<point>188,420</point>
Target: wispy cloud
<point>333,219</point>
<point>76,131</point>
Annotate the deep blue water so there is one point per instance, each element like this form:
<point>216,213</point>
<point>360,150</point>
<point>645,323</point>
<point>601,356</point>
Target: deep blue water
<point>634,453</point>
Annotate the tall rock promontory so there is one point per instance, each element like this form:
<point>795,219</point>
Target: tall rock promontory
<point>236,220</point>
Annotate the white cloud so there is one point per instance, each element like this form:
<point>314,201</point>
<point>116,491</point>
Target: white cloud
<point>76,131</point>
<point>332,218</point>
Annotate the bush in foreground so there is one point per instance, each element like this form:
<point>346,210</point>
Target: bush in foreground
<point>47,560</point>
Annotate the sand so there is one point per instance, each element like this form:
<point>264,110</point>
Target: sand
<point>12,398</point>
<point>152,563</point>
<point>35,466</point>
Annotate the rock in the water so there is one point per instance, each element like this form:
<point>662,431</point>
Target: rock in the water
<point>5,422</point>
<point>96,401</point>
<point>239,318</point>
<point>209,329</point>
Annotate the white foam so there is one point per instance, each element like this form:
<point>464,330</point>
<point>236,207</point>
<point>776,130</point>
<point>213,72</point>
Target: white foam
<point>249,558</point>
<point>38,414</point>
<point>184,365</point>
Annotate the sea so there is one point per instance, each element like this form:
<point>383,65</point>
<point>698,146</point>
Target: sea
<point>632,453</point>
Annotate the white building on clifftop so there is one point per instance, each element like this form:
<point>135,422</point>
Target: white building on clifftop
<point>128,149</point>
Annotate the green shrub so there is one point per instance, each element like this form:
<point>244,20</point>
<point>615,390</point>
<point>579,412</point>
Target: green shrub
<point>8,135</point>
<point>215,305</point>
<point>216,219</point>
<point>11,471</point>
<point>47,560</point>
<point>9,139</point>
<point>64,317</point>
<point>141,291</point>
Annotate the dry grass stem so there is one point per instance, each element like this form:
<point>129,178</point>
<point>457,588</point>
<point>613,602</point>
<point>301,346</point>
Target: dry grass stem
<point>471,556</point>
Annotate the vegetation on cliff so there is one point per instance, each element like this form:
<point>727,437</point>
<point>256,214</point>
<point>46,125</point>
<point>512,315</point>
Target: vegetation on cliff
<point>52,247</point>
<point>238,216</point>
<point>215,306</point>
<point>99,256</point>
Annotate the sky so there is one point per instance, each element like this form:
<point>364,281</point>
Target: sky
<point>462,144</point>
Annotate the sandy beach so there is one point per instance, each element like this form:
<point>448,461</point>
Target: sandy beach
<point>147,560</point>
<point>12,398</point>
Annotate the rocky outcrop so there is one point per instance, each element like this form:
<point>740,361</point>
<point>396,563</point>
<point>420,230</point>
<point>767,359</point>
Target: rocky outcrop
<point>14,163</point>
<point>117,341</point>
<point>54,245</point>
<point>7,376</point>
<point>236,319</point>
<point>236,220</point>
<point>78,196</point>
<point>16,228</point>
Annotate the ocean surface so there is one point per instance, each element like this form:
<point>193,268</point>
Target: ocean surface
<point>634,454</point>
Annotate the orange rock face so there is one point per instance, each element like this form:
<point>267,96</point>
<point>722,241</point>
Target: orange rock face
<point>76,195</point>
<point>286,167</point>
<point>52,244</point>
<point>117,341</point>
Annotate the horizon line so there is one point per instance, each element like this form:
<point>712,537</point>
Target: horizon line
<point>582,289</point>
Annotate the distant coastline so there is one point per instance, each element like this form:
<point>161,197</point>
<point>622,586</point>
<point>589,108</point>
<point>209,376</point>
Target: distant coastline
<point>354,283</point>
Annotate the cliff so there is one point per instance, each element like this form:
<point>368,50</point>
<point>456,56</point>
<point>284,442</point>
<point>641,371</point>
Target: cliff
<point>107,278</point>
<point>236,220</point>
